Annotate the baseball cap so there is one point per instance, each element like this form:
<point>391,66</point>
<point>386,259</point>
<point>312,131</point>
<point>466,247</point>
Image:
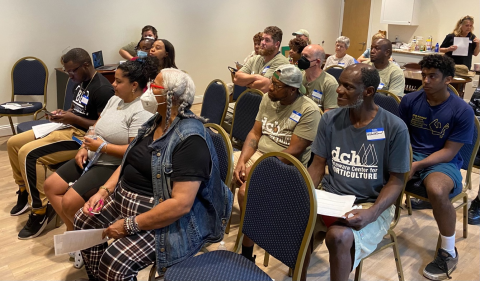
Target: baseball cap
<point>302,32</point>
<point>290,75</point>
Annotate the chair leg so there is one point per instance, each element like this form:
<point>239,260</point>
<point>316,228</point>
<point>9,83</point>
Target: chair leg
<point>153,272</point>
<point>358,271</point>
<point>409,204</point>
<point>266,259</point>
<point>465,216</point>
<point>290,272</point>
<point>439,243</point>
<point>396,253</point>
<point>232,189</point>
<point>11,125</point>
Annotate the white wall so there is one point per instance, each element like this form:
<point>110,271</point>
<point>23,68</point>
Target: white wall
<point>208,35</point>
<point>438,18</point>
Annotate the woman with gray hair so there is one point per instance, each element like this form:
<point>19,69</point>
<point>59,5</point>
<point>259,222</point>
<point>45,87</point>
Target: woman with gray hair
<point>340,58</point>
<point>167,199</point>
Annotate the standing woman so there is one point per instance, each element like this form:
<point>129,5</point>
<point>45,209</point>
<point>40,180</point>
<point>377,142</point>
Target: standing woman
<point>464,28</point>
<point>70,187</point>
<point>165,52</point>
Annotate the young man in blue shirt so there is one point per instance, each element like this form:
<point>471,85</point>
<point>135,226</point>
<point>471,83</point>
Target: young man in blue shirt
<point>440,123</point>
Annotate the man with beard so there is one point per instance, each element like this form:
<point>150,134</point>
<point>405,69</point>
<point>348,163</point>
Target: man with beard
<point>286,121</point>
<point>366,149</point>
<point>391,76</point>
<point>259,69</point>
<point>321,86</point>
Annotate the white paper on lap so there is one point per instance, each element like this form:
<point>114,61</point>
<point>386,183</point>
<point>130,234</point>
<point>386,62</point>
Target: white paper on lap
<point>77,240</point>
<point>333,205</point>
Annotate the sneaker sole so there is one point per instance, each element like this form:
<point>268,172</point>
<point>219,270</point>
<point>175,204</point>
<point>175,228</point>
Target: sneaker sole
<point>36,234</point>
<point>21,211</point>
<point>436,277</point>
<point>474,221</point>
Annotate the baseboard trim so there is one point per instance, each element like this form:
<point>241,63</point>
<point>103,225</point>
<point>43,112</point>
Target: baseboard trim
<point>5,130</point>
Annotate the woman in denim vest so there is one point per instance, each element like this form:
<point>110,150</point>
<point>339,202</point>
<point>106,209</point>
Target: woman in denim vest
<point>167,199</point>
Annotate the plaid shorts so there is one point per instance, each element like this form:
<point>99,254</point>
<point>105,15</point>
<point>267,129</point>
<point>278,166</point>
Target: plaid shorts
<point>125,257</point>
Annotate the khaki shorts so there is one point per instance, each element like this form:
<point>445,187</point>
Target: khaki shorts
<point>367,238</point>
<point>250,162</point>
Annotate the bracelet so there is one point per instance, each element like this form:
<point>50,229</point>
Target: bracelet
<point>130,225</point>
<point>108,190</point>
<point>105,151</point>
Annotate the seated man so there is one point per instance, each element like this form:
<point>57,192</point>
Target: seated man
<point>256,73</point>
<point>304,35</point>
<point>391,76</point>
<point>286,121</point>
<point>29,156</point>
<point>366,149</point>
<point>440,123</point>
<point>321,86</point>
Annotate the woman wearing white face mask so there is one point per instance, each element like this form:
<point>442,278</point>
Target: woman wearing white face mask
<point>115,129</point>
<point>167,199</point>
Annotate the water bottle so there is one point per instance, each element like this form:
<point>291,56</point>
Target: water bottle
<point>437,48</point>
<point>222,246</point>
<point>91,133</point>
<point>429,44</point>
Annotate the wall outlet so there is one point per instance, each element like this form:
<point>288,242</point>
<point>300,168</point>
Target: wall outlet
<point>475,83</point>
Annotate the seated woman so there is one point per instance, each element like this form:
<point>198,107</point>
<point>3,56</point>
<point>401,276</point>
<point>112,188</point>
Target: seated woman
<point>143,48</point>
<point>167,199</point>
<point>296,46</point>
<point>117,126</point>
<point>164,51</point>
<point>340,57</point>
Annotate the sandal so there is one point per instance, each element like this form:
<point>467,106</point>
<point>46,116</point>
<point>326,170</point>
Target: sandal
<point>78,260</point>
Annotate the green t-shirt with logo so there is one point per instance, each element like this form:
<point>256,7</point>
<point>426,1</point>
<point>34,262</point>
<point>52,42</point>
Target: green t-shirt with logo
<point>279,122</point>
<point>257,65</point>
<point>323,90</point>
<point>391,79</point>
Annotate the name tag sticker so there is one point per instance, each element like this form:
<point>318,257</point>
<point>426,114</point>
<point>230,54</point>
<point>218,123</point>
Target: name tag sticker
<point>84,99</point>
<point>317,94</point>
<point>375,134</point>
<point>380,86</point>
<point>265,69</point>
<point>341,63</point>
<point>295,116</point>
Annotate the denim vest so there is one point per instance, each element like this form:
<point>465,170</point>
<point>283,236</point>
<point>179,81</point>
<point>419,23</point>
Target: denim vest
<point>207,219</point>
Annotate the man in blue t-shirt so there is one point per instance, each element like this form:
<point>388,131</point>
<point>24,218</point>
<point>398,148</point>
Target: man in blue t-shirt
<point>440,123</point>
<point>366,150</point>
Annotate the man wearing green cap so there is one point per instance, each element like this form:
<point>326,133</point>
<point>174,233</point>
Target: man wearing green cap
<point>287,121</point>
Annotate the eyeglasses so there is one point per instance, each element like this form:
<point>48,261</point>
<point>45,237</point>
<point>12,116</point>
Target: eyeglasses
<point>156,86</point>
<point>277,86</point>
<point>71,72</point>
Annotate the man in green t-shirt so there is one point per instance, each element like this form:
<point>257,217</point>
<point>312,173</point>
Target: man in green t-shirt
<point>391,76</point>
<point>321,86</point>
<point>257,71</point>
<point>287,121</point>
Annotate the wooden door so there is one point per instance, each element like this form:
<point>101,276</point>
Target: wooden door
<point>356,14</point>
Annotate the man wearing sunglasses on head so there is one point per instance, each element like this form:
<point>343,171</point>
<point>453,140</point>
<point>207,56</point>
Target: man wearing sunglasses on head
<point>30,157</point>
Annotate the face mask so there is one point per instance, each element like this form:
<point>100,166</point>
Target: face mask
<point>149,102</point>
<point>141,54</point>
<point>303,63</point>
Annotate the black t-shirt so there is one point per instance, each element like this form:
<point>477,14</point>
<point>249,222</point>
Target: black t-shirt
<point>465,60</point>
<point>90,97</point>
<point>190,162</point>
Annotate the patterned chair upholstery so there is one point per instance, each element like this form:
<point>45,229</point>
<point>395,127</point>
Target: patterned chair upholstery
<point>335,71</point>
<point>280,206</point>
<point>387,101</point>
<point>215,102</point>
<point>244,113</point>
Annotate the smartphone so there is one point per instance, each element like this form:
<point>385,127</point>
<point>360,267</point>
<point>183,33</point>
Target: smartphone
<point>79,141</point>
<point>48,113</point>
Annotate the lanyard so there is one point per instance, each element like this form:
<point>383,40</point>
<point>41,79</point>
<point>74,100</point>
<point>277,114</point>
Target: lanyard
<point>95,157</point>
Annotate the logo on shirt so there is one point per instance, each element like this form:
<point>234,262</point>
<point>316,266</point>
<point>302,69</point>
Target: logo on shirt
<point>276,131</point>
<point>81,100</point>
<point>359,165</point>
<point>435,127</point>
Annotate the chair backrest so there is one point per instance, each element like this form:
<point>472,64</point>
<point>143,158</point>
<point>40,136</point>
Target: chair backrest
<point>335,71</point>
<point>398,202</point>
<point>468,153</point>
<point>224,149</point>
<point>29,77</point>
<point>237,91</point>
<point>244,113</point>
<point>387,101</point>
<point>215,102</point>
<point>449,87</point>
<point>280,209</point>
<point>67,101</point>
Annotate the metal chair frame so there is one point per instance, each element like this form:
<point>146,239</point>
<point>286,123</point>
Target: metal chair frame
<point>228,143</point>
<point>10,115</point>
